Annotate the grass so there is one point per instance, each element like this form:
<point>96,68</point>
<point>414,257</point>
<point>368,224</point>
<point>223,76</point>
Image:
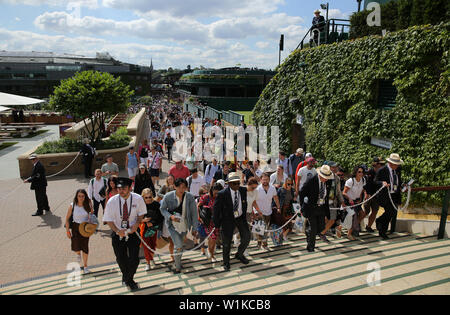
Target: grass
<point>5,145</point>
<point>247,117</point>
<point>32,134</point>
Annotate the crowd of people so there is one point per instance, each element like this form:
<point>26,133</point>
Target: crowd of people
<point>221,204</point>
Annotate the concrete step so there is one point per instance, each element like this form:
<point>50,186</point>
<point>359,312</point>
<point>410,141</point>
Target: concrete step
<point>406,261</point>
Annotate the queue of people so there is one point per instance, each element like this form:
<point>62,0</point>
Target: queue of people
<point>218,204</point>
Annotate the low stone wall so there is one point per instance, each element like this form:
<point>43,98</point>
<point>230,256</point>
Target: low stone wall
<point>51,119</point>
<point>56,162</point>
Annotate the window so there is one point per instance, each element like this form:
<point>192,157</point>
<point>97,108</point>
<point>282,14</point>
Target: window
<point>387,94</point>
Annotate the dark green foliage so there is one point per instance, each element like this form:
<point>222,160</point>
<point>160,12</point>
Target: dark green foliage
<point>119,139</point>
<point>92,95</point>
<point>335,88</point>
<point>401,14</point>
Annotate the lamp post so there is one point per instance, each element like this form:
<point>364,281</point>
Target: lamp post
<point>325,7</point>
<point>281,48</point>
<point>359,5</point>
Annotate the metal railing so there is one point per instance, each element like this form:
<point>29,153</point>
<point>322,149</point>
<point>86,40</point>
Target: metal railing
<point>331,27</point>
<point>211,113</point>
<point>445,203</point>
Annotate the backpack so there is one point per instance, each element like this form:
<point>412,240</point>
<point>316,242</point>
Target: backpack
<point>144,152</point>
<point>209,169</point>
<point>102,191</point>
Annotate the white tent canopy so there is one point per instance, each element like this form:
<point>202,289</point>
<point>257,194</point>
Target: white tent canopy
<point>3,108</point>
<point>17,100</point>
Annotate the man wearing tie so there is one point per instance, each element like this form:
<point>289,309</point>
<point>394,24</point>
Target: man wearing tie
<point>314,198</point>
<point>390,177</point>
<point>124,213</point>
<point>39,185</point>
<point>230,209</point>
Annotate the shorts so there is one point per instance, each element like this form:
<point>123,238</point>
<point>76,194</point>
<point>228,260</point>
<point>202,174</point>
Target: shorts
<point>132,172</point>
<point>78,241</point>
<point>371,205</point>
<point>333,214</point>
<point>154,172</point>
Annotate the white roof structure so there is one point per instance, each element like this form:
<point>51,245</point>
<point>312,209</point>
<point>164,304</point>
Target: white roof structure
<point>17,100</point>
<point>3,108</point>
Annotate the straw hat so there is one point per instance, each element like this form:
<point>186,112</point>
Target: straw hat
<point>300,150</point>
<point>233,177</point>
<point>32,157</point>
<point>317,11</point>
<point>325,172</point>
<point>87,229</point>
<point>394,158</point>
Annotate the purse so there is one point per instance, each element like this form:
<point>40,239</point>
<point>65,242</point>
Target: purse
<point>205,215</point>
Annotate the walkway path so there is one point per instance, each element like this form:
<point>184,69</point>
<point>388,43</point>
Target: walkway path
<point>8,157</point>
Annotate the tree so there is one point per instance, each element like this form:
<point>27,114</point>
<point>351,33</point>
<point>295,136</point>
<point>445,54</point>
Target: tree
<point>92,95</point>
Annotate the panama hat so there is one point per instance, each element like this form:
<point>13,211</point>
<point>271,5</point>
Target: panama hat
<point>325,172</point>
<point>394,158</point>
<point>300,150</point>
<point>233,177</point>
<point>317,11</point>
<point>86,229</point>
<point>32,156</point>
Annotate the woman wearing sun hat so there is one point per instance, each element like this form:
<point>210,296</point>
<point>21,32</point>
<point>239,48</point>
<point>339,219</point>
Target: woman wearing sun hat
<point>77,214</point>
<point>390,177</point>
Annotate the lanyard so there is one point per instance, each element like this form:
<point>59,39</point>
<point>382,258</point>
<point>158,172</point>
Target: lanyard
<point>129,211</point>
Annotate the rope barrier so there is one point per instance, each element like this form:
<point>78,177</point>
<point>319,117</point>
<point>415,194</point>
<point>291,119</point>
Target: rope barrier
<point>176,254</point>
<point>49,176</point>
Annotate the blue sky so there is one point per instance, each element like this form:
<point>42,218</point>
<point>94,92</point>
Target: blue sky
<point>174,33</point>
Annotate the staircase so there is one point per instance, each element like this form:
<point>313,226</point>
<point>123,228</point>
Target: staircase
<point>410,264</point>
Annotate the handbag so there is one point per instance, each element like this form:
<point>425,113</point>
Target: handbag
<point>205,215</point>
<point>259,227</point>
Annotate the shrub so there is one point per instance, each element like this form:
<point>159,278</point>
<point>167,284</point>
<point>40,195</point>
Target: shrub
<point>335,89</point>
<point>401,14</point>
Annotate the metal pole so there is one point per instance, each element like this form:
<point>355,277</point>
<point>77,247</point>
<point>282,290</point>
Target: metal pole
<point>327,10</point>
<point>444,215</point>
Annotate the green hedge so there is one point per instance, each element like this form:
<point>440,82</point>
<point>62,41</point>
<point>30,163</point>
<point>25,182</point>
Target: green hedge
<point>335,88</point>
<point>401,14</point>
<point>119,139</point>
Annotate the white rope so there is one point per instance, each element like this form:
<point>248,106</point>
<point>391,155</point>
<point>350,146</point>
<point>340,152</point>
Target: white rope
<point>177,254</point>
<point>407,201</point>
<point>282,227</point>
<point>49,176</point>
<point>364,202</point>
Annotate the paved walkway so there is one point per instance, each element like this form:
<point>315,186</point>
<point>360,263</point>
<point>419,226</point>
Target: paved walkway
<point>8,157</point>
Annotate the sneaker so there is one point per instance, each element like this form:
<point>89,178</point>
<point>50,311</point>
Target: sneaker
<point>213,259</point>
<point>86,270</point>
<point>324,238</point>
<point>152,264</point>
<point>246,254</point>
<point>208,255</point>
<point>285,238</point>
<point>147,268</point>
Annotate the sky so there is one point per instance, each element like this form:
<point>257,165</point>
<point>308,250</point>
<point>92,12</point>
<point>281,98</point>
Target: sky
<point>172,33</point>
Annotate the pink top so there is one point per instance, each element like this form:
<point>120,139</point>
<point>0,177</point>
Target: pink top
<point>183,173</point>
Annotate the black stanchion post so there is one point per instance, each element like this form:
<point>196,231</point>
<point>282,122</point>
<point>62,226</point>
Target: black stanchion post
<point>444,215</point>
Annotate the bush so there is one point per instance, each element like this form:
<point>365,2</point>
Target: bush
<point>401,14</point>
<point>335,89</point>
<point>119,139</point>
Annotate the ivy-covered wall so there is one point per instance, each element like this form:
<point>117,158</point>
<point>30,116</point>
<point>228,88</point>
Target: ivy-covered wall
<point>335,88</point>
<point>401,14</point>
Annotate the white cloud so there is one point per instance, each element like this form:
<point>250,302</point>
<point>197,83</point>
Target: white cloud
<point>164,56</point>
<point>92,4</point>
<point>262,45</point>
<point>208,8</point>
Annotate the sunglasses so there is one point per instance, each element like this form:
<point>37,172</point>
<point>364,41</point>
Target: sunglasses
<point>148,197</point>
<point>288,184</point>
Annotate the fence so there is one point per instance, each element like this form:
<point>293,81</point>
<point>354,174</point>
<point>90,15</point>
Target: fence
<point>211,113</point>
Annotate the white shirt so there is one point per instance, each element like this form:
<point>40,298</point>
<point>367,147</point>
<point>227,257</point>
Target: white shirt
<point>274,178</point>
<point>264,199</point>
<point>79,214</point>
<point>356,188</point>
<point>251,196</point>
<point>93,190</point>
<point>324,193</point>
<point>114,214</point>
<point>304,174</point>
<point>196,184</point>
<point>391,176</point>
<point>234,195</point>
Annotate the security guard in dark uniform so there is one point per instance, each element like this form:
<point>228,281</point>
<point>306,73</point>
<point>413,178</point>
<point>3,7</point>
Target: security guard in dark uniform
<point>39,185</point>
